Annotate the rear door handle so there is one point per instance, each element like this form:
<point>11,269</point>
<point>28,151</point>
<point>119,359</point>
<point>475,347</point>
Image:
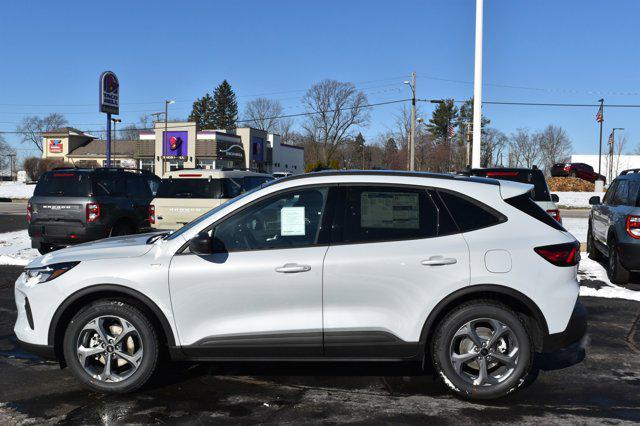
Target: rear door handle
<point>439,261</point>
<point>292,268</point>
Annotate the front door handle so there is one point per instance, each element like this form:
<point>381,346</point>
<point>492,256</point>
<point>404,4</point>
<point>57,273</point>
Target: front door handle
<point>439,261</point>
<point>292,268</point>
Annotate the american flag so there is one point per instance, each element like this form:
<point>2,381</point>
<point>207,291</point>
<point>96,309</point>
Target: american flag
<point>451,131</point>
<point>611,141</point>
<point>599,115</point>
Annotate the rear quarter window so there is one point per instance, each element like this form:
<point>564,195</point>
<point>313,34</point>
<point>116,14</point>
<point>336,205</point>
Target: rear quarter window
<point>525,204</point>
<point>470,214</point>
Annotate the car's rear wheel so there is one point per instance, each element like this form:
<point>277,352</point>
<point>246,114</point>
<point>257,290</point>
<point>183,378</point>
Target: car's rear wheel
<point>111,347</point>
<point>617,273</point>
<point>592,250</point>
<point>482,350</point>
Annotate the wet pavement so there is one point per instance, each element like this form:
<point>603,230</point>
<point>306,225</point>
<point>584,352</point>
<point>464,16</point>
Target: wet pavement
<point>604,387</point>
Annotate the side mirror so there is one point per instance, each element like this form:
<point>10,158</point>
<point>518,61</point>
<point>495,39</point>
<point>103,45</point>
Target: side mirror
<point>201,244</point>
<point>555,198</point>
<point>595,200</point>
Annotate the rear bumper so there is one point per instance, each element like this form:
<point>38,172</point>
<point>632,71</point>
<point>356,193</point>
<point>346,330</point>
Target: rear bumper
<point>66,235</point>
<point>575,331</point>
<point>630,255</point>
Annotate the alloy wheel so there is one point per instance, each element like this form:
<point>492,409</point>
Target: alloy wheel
<point>109,348</point>
<point>484,352</point>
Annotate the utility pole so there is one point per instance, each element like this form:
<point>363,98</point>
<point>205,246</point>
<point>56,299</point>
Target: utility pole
<point>477,88</point>
<point>600,120</point>
<point>412,134</point>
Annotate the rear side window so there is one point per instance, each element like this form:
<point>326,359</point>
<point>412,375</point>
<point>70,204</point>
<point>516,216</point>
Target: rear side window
<point>375,214</point>
<point>470,214</point>
<point>634,191</point>
<point>63,184</point>
<point>110,185</point>
<point>137,187</point>
<point>525,204</point>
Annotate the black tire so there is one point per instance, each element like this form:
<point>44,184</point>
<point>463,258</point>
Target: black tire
<point>617,273</point>
<point>445,337</point>
<point>138,320</point>
<point>46,248</point>
<point>592,250</point>
<point>122,228</point>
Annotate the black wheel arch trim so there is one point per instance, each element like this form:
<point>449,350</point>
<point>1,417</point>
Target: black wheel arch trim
<point>439,310</point>
<point>111,288</point>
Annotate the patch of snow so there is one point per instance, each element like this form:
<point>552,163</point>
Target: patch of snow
<point>594,282</point>
<point>576,200</point>
<point>578,226</point>
<point>15,248</point>
<point>16,190</point>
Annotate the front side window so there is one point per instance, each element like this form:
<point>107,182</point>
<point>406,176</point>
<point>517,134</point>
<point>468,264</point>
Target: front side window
<point>374,214</point>
<point>609,195</point>
<point>292,219</point>
<point>621,196</point>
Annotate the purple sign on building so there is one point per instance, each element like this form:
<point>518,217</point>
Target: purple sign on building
<point>175,144</point>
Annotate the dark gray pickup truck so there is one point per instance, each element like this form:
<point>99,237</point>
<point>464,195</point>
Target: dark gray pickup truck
<point>71,206</point>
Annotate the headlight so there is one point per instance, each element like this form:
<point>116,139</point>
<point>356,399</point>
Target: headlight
<point>48,273</point>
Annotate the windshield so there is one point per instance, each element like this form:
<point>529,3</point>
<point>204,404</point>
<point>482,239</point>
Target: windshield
<point>197,221</point>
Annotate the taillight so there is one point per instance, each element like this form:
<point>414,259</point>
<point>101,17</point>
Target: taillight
<point>28,212</point>
<point>555,214</point>
<point>93,212</point>
<point>633,226</point>
<point>567,167</point>
<point>567,254</point>
<point>152,214</point>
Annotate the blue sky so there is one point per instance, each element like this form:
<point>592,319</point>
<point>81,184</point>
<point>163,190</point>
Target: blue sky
<point>563,51</point>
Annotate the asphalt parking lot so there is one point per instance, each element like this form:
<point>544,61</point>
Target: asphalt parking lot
<point>596,383</point>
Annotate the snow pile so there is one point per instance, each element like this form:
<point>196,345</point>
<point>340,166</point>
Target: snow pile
<point>576,200</point>
<point>594,282</point>
<point>16,190</point>
<point>15,248</point>
<point>578,226</point>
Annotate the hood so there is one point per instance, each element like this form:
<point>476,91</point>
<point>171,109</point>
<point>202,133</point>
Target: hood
<point>109,248</point>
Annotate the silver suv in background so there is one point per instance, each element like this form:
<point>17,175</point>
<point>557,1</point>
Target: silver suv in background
<point>614,227</point>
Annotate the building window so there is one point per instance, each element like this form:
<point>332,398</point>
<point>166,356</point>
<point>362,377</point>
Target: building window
<point>176,165</point>
<point>205,164</point>
<point>147,164</point>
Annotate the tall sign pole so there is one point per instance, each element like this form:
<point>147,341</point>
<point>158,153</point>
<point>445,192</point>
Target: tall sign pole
<point>477,89</point>
<point>109,103</point>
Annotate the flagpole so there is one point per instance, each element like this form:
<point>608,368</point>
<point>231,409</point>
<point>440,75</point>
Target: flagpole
<point>601,120</point>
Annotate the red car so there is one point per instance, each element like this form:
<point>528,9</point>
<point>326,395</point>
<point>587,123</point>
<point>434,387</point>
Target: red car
<point>576,170</point>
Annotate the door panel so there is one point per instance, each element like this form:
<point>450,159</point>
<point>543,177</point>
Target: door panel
<point>385,288</point>
<point>236,304</point>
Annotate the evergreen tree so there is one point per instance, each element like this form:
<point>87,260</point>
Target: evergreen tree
<point>360,149</point>
<point>466,116</point>
<point>444,115</point>
<point>202,112</point>
<point>225,112</point>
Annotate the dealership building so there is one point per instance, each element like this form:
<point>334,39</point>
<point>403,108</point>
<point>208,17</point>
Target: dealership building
<point>177,145</point>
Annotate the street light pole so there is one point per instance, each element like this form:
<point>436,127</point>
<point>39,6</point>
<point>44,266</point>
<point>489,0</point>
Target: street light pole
<point>477,88</point>
<point>115,133</point>
<point>412,134</point>
<point>600,120</point>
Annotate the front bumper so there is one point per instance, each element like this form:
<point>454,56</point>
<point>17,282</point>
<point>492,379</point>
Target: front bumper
<point>575,331</point>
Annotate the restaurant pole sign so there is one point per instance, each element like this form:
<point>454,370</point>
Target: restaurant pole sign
<point>109,94</point>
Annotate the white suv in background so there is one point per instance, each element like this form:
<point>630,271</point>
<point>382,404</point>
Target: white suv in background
<point>185,194</point>
<point>468,274</point>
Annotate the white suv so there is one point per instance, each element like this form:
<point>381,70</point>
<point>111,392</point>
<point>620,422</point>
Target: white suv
<point>468,273</point>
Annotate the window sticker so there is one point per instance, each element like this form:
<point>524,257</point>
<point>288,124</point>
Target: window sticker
<point>292,221</point>
<point>389,210</point>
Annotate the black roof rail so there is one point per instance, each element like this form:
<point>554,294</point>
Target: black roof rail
<point>432,175</point>
<point>624,172</point>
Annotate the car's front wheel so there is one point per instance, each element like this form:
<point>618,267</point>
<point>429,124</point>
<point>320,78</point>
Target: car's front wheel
<point>111,346</point>
<point>482,350</point>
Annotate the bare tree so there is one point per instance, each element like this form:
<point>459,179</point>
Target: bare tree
<point>6,150</point>
<point>285,129</point>
<point>33,126</point>
<point>338,108</point>
<point>31,166</point>
<point>524,149</point>
<point>494,143</point>
<point>263,114</point>
<point>555,146</point>
<point>618,148</point>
